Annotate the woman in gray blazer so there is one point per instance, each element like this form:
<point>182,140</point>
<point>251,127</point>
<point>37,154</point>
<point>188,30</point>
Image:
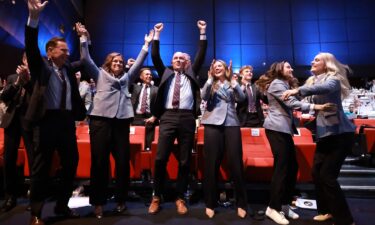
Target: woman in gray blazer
<point>110,119</point>
<point>280,128</point>
<point>335,135</point>
<point>222,134</point>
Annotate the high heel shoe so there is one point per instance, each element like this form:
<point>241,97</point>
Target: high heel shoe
<point>241,213</point>
<point>210,213</point>
<point>322,217</point>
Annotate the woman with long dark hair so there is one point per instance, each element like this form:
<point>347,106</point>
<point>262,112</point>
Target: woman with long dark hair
<point>279,131</point>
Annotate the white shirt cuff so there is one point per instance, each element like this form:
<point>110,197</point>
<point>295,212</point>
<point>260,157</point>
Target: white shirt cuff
<point>83,38</point>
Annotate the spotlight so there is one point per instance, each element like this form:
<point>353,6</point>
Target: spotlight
<point>13,2</point>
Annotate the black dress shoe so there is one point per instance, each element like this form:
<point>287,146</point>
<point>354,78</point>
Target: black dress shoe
<point>9,204</point>
<point>98,211</point>
<point>65,211</point>
<point>120,208</point>
<point>259,215</point>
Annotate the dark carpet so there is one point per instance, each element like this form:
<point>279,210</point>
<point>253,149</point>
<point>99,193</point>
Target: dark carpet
<point>363,211</point>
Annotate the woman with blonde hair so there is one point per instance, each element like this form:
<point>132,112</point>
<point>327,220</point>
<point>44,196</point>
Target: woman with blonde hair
<point>334,132</point>
<point>222,135</point>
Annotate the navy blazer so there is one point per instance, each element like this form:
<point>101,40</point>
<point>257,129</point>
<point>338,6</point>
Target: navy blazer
<point>41,71</point>
<point>165,73</point>
<point>11,96</point>
<point>242,107</point>
<point>136,91</point>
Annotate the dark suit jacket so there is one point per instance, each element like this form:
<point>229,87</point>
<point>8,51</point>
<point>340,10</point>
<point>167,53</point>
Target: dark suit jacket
<point>12,98</point>
<point>165,73</point>
<point>136,91</point>
<point>242,107</point>
<point>40,71</point>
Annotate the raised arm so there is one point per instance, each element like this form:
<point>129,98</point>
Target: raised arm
<point>89,65</point>
<point>328,86</point>
<point>200,55</point>
<point>34,58</point>
<point>155,50</point>
<point>134,69</point>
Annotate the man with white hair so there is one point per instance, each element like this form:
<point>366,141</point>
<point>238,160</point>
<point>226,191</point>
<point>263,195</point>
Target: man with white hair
<point>176,105</point>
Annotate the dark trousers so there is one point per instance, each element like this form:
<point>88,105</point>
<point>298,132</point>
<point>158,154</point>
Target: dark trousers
<point>12,138</point>
<point>220,140</point>
<point>56,131</point>
<point>109,135</point>
<point>285,168</point>
<point>253,120</point>
<point>174,124</point>
<point>329,156</point>
<point>149,128</point>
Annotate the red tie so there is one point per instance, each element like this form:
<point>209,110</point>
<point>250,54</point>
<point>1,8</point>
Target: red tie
<point>250,100</point>
<point>144,100</point>
<point>176,91</point>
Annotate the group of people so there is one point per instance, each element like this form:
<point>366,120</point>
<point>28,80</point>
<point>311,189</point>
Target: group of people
<point>44,97</point>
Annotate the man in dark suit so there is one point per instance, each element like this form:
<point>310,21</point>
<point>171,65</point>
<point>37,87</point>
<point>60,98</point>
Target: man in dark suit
<point>175,105</point>
<point>250,112</point>
<point>16,96</point>
<point>55,104</point>
<point>143,98</point>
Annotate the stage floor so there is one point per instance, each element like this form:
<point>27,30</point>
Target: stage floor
<point>363,211</point>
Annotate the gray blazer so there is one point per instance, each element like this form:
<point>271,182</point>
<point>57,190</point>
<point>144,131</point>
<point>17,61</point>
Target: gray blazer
<point>221,109</point>
<point>328,90</point>
<point>112,98</point>
<point>280,117</point>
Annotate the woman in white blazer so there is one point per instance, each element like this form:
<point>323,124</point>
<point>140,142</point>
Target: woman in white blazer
<point>280,128</point>
<point>110,117</point>
<point>334,132</point>
<point>222,135</point>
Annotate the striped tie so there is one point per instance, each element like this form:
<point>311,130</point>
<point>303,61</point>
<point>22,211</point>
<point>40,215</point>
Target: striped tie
<point>144,100</point>
<point>63,90</point>
<point>176,91</point>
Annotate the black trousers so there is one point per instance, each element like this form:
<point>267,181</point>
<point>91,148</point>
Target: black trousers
<point>174,124</point>
<point>12,138</point>
<point>285,168</point>
<point>109,135</point>
<point>253,120</point>
<point>56,131</point>
<point>220,140</point>
<point>149,128</point>
<point>329,156</point>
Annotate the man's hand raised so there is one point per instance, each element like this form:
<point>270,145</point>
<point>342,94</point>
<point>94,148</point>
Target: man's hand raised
<point>202,26</point>
<point>35,8</point>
